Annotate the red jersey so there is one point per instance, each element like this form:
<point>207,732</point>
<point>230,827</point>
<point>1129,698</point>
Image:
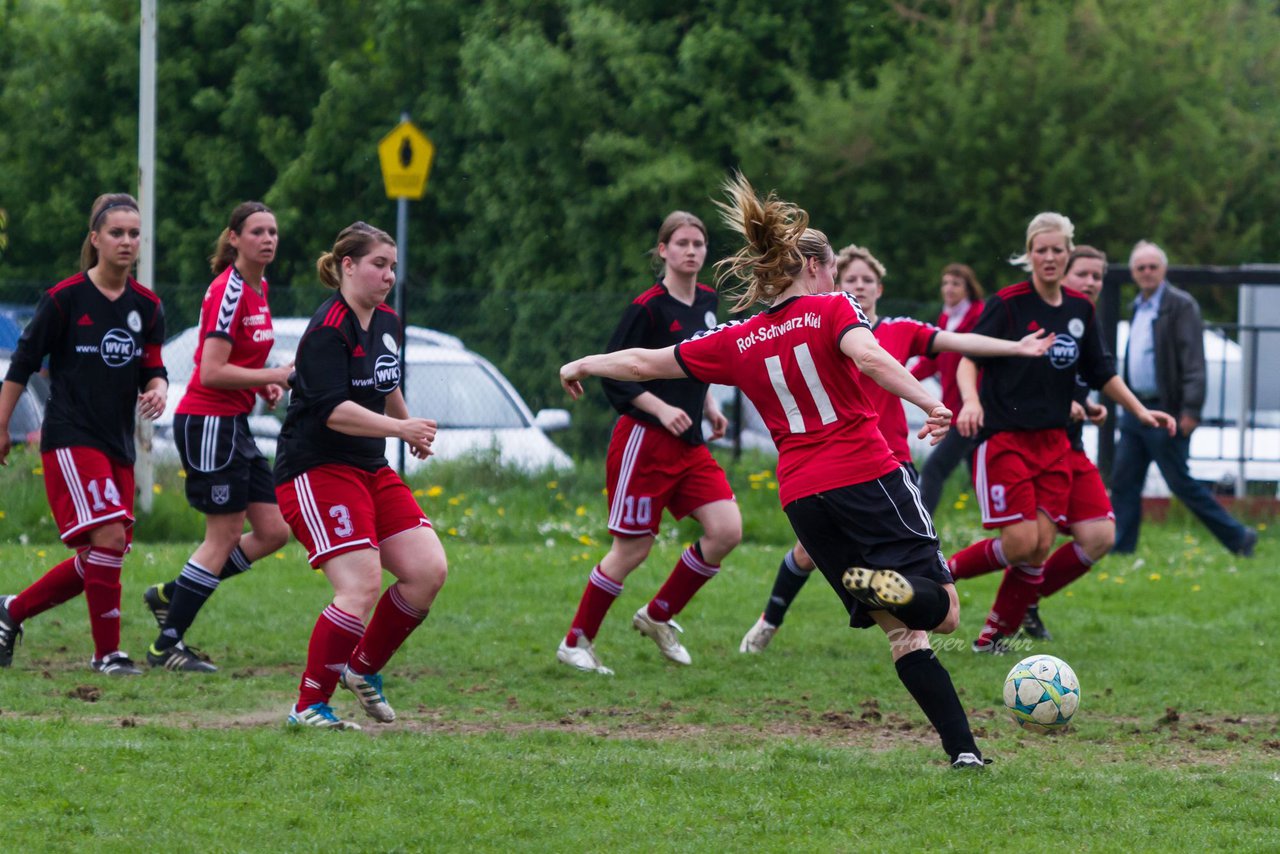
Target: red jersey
<point>902,338</point>
<point>945,364</point>
<point>787,361</point>
<point>237,313</point>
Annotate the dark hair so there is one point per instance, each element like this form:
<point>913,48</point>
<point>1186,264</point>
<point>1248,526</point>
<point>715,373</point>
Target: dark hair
<point>97,215</point>
<point>674,221</point>
<point>224,254</point>
<point>972,288</point>
<point>1086,251</point>
<point>779,241</point>
<point>355,241</point>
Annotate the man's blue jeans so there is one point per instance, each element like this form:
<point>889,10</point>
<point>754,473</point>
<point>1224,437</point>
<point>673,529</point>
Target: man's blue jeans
<point>1137,448</point>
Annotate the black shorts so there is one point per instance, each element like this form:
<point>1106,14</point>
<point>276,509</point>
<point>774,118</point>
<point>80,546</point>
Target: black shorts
<point>226,472</point>
<point>880,524</point>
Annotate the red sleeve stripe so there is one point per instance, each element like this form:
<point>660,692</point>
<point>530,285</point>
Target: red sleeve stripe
<point>1015,290</point>
<point>382,306</point>
<point>336,315</point>
<point>66,283</point>
<point>647,296</point>
<point>151,356</point>
<point>140,288</point>
<point>706,288</point>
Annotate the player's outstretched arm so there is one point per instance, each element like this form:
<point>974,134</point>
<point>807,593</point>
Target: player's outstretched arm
<point>636,365</point>
<point>887,372</point>
<point>9,394</point>
<point>983,346</point>
<point>1116,389</point>
<point>969,421</point>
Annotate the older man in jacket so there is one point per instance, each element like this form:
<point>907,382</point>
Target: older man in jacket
<point>1164,365</point>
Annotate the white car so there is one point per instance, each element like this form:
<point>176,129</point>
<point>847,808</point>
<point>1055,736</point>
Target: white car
<point>478,410</point>
<point>24,424</point>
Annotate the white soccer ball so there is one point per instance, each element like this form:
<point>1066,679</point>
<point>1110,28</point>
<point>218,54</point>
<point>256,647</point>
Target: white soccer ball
<point>1042,693</point>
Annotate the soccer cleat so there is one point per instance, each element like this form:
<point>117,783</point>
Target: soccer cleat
<point>991,644</point>
<point>758,636</point>
<point>179,657</point>
<point>116,663</point>
<point>582,656</point>
<point>10,632</point>
<point>319,716</point>
<point>879,588</point>
<point>969,760</point>
<point>153,596</point>
<point>368,691</point>
<point>663,634</point>
<point>1033,627</point>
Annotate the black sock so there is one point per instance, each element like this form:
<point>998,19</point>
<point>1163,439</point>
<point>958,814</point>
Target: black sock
<point>193,588</point>
<point>785,587</point>
<point>237,563</point>
<point>927,608</point>
<point>929,683</point>
<point>167,591</point>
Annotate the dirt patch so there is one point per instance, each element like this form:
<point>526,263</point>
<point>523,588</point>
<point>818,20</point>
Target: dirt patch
<point>87,693</point>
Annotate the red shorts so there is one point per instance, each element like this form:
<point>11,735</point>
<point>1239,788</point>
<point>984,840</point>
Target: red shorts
<point>1017,474</point>
<point>649,469</point>
<point>87,489</point>
<point>1088,501</point>
<point>334,509</point>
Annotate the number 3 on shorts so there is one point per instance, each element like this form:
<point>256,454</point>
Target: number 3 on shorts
<point>343,526</point>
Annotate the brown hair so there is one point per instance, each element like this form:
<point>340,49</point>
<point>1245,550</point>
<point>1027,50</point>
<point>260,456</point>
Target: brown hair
<point>852,253</point>
<point>97,215</point>
<point>972,288</point>
<point>355,241</point>
<point>674,221</point>
<point>779,241</point>
<point>224,254</point>
<point>1086,251</point>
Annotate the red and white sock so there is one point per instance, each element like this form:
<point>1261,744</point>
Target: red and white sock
<point>335,635</point>
<point>62,582</point>
<point>102,593</point>
<point>686,579</point>
<point>978,559</point>
<point>1064,566</point>
<point>393,621</point>
<point>598,596</point>
<point>1019,590</point>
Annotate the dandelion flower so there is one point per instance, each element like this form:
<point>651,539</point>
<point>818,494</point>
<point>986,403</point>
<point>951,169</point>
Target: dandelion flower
<point>581,511</point>
<point>435,491</point>
<point>1155,576</point>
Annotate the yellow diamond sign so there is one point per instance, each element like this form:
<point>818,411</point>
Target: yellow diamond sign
<point>405,154</point>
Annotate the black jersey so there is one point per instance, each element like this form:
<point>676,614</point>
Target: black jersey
<point>1020,393</point>
<point>655,320</point>
<point>1075,429</point>
<point>338,361</point>
<point>102,353</point>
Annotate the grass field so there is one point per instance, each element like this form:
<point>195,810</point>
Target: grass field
<point>812,746</point>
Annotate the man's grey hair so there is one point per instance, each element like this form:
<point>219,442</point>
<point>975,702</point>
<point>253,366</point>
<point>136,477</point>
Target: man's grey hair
<point>1147,244</point>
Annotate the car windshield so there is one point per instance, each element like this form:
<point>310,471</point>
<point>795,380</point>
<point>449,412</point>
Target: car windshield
<point>460,395</point>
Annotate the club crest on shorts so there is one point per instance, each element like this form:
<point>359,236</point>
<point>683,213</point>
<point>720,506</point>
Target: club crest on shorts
<point>1076,327</point>
<point>221,493</point>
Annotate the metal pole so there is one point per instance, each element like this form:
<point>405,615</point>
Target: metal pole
<point>145,468</point>
<point>402,275</point>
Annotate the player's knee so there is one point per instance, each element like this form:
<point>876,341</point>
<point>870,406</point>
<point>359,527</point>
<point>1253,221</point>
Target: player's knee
<point>803,562</point>
<point>274,536</point>
<point>109,537</point>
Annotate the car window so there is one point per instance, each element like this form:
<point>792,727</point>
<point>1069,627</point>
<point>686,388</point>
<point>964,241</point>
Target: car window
<point>460,395</point>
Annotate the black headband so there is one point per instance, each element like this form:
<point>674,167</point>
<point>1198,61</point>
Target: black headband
<point>97,220</point>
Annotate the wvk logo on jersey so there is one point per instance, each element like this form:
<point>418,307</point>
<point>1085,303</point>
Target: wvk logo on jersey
<point>1064,353</point>
<point>386,373</point>
<point>117,348</point>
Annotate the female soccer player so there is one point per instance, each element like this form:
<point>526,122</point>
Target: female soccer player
<point>346,506</point>
<point>1090,521</point>
<point>228,478</point>
<point>961,307</point>
<point>102,332</point>
<point>657,459</point>
<point>859,273</point>
<point>1022,465</point>
<point>851,504</point>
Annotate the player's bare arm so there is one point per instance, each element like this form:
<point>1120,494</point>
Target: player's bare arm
<point>636,364</point>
